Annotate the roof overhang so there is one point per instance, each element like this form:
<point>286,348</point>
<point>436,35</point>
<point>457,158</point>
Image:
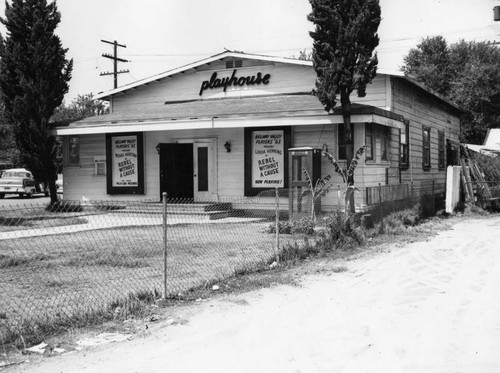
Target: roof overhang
<point>226,122</point>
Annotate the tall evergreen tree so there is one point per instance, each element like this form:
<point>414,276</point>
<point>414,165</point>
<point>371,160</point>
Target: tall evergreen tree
<point>344,40</point>
<point>34,76</point>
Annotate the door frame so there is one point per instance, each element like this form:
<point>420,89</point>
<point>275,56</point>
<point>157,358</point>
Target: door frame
<point>212,193</point>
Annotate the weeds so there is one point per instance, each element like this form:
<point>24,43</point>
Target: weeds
<point>304,225</point>
<point>35,331</point>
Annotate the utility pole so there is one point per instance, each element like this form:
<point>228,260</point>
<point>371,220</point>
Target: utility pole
<point>115,59</point>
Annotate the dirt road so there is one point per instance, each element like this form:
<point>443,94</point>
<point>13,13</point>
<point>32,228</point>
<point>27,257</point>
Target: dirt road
<point>425,307</point>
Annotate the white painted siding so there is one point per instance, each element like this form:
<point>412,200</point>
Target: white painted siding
<point>284,79</point>
<point>423,110</point>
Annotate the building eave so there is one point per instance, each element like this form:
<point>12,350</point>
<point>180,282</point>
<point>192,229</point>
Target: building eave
<point>240,121</point>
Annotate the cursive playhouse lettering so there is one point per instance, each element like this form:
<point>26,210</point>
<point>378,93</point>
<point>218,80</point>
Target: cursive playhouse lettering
<point>234,80</point>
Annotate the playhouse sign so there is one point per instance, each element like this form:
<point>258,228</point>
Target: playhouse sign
<point>234,80</point>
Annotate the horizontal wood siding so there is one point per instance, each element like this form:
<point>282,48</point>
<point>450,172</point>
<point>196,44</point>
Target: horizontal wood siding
<point>80,183</point>
<point>424,110</point>
<point>284,79</point>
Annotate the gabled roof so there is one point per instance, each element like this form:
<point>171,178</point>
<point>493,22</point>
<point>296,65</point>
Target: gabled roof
<point>249,56</point>
<point>195,65</point>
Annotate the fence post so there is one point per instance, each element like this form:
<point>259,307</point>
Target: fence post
<point>164,199</point>
<point>277,226</point>
<point>433,196</point>
<point>379,194</point>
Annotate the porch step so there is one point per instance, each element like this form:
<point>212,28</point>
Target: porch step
<point>204,211</point>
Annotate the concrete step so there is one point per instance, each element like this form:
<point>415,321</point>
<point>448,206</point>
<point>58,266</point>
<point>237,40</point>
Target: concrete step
<point>203,211</point>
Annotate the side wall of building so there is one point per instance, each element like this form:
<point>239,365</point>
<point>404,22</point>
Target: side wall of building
<point>423,110</point>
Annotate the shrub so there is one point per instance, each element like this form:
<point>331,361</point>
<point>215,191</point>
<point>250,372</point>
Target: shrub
<point>398,221</point>
<point>304,225</point>
<point>341,232</point>
<point>61,206</point>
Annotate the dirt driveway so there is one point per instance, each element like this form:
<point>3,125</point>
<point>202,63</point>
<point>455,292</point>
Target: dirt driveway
<point>430,306</point>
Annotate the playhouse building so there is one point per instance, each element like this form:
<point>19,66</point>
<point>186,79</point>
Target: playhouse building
<point>223,128</point>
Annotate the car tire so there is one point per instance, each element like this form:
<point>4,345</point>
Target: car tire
<point>29,194</point>
<point>2,195</point>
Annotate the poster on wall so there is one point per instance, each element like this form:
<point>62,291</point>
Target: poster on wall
<point>124,155</point>
<point>124,152</point>
<point>268,166</point>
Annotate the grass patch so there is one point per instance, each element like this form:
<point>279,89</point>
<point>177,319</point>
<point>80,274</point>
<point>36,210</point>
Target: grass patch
<point>30,333</point>
<point>19,223</point>
<point>9,261</point>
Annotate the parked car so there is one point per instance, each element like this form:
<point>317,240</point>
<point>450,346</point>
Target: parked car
<point>20,181</point>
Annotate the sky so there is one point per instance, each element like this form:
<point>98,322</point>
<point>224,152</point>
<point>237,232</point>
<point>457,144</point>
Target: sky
<point>164,34</point>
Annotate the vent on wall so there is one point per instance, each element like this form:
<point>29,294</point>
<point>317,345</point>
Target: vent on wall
<point>234,64</point>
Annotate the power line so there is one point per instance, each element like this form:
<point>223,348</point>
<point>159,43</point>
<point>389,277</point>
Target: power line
<point>115,59</point>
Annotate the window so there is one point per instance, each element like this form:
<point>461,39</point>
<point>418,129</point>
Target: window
<point>377,142</point>
<point>384,139</point>
<point>369,142</point>
<point>100,165</point>
<point>74,151</point>
<point>341,142</point>
<point>405,145</point>
<point>441,148</point>
<point>426,148</point>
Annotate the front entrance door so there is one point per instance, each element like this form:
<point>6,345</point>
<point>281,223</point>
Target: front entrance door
<point>188,169</point>
<point>203,176</point>
<point>176,170</point>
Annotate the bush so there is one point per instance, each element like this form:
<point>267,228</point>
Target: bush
<point>294,251</point>
<point>61,206</point>
<point>398,221</point>
<point>341,232</point>
<point>304,225</point>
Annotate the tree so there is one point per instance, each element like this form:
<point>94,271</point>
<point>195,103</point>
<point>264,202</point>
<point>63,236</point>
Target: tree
<point>467,73</point>
<point>83,106</point>
<point>8,150</point>
<point>344,40</point>
<point>430,61</point>
<point>34,76</point>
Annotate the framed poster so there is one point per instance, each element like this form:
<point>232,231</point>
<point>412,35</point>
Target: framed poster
<point>124,163</point>
<point>266,159</point>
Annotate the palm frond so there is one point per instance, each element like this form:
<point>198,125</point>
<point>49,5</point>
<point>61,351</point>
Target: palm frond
<point>355,160</point>
<point>335,164</point>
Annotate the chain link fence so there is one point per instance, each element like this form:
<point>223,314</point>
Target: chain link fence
<point>77,259</point>
<point>80,258</point>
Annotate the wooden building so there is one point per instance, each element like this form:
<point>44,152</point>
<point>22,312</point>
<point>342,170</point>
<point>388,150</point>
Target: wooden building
<point>221,128</point>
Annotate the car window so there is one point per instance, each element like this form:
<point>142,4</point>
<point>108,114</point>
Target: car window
<point>17,174</point>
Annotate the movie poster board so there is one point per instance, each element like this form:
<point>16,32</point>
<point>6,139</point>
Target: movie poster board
<point>124,155</point>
